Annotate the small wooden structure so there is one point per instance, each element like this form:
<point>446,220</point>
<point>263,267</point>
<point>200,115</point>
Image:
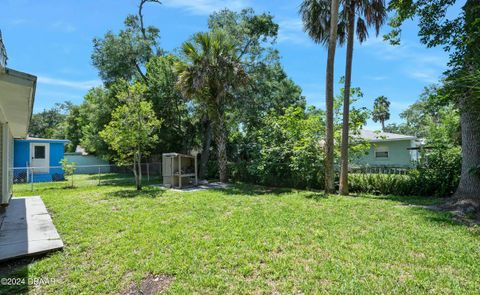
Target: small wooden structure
<point>179,170</point>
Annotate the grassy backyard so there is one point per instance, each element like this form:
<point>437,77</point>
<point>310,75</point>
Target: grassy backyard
<point>249,239</point>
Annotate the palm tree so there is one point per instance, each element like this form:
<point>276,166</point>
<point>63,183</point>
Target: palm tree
<point>363,14</point>
<point>381,110</point>
<point>210,71</point>
<point>314,27</point>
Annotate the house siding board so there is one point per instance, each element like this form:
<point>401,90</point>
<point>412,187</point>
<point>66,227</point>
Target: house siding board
<point>22,157</point>
<point>56,155</point>
<point>21,154</point>
<point>3,199</point>
<point>6,162</point>
<point>399,155</point>
<point>10,162</point>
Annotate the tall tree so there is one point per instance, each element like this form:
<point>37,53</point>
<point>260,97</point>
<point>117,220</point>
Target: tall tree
<point>460,36</point>
<point>50,123</point>
<point>253,35</point>
<point>365,13</point>
<point>125,55</point>
<point>381,110</point>
<point>210,72</point>
<point>132,132</point>
<point>315,29</point>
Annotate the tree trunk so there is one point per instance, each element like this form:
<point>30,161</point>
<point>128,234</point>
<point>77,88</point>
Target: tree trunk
<point>469,186</point>
<point>383,125</point>
<point>206,143</point>
<point>346,101</point>
<point>139,163</point>
<point>332,44</point>
<point>135,172</point>
<point>221,141</point>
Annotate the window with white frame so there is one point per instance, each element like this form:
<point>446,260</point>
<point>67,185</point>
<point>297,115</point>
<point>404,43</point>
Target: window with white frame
<point>381,152</point>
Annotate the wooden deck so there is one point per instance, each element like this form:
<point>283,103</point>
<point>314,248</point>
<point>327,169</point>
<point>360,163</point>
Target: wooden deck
<point>26,229</point>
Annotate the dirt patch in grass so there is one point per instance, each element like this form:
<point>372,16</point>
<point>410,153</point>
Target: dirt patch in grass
<point>152,284</point>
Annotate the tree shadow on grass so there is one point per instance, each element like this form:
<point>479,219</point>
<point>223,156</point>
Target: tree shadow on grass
<point>146,192</point>
<point>430,208</point>
<point>316,196</point>
<point>254,190</point>
<point>413,201</point>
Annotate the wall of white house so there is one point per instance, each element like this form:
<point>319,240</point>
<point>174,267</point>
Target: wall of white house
<point>6,163</point>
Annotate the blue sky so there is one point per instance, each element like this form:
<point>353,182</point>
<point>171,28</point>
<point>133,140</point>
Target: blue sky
<point>53,40</point>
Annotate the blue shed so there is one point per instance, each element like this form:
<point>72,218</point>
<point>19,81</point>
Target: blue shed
<point>38,159</point>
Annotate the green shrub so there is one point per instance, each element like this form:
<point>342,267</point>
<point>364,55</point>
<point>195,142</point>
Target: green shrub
<point>438,171</point>
<point>437,174</point>
<point>382,184</point>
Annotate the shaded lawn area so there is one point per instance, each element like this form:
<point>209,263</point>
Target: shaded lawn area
<point>248,239</point>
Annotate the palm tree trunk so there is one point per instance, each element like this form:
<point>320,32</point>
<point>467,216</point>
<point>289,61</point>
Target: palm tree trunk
<point>469,186</point>
<point>383,125</point>
<point>221,141</point>
<point>332,44</point>
<point>206,143</point>
<point>346,101</point>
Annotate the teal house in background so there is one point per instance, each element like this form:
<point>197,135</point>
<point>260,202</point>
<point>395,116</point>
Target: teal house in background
<point>387,150</point>
<point>38,159</point>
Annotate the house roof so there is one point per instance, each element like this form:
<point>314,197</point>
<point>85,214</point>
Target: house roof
<point>38,139</point>
<point>17,93</point>
<point>380,136</point>
<point>3,54</point>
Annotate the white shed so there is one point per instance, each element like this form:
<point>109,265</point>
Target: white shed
<point>179,170</point>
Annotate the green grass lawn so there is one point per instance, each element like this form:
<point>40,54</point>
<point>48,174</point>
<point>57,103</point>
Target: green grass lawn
<point>249,239</point>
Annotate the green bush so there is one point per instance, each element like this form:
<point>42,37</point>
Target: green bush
<point>382,184</point>
<point>437,174</point>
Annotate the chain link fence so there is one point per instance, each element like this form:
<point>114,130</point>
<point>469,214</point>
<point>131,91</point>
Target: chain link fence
<point>33,178</point>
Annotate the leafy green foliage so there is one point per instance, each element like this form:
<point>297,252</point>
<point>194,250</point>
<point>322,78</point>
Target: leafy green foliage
<point>178,131</point>
<point>382,184</point>
<point>438,171</point>
<point>69,169</point>
<point>210,73</point>
<point>94,114</point>
<point>436,174</point>
<point>123,55</point>
<point>286,148</point>
<point>316,18</point>
<point>50,122</point>
<point>433,118</point>
<point>287,151</point>
<point>358,119</point>
<point>132,132</point>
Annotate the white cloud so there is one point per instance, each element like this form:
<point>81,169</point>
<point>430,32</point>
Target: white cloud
<point>64,27</point>
<point>205,7</point>
<point>19,21</point>
<point>83,85</point>
<point>291,31</point>
<point>377,78</point>
<point>417,62</point>
<point>400,105</point>
<point>424,74</point>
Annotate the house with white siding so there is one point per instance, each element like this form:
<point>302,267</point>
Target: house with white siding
<point>17,92</point>
<point>387,149</point>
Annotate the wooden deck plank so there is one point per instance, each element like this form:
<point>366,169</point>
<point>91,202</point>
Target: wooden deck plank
<point>27,229</point>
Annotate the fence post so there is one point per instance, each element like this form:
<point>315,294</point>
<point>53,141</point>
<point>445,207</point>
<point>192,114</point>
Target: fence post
<point>148,172</point>
<point>99,175</point>
<point>31,180</point>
